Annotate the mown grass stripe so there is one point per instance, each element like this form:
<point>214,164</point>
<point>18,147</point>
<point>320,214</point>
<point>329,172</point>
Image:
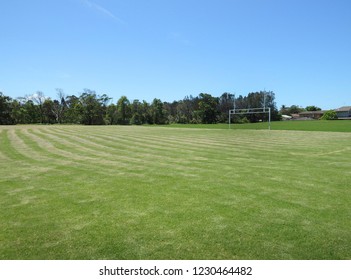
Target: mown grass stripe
<point>14,148</point>
<point>138,153</point>
<point>36,150</point>
<point>63,156</point>
<point>139,161</point>
<point>175,193</point>
<point>71,151</point>
<point>265,152</point>
<point>125,156</point>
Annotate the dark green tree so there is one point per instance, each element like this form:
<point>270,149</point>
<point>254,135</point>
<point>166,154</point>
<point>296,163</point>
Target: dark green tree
<point>208,108</point>
<point>74,110</point>
<point>92,108</point>
<point>48,111</point>
<point>18,112</point>
<point>5,109</point>
<point>147,114</point>
<point>111,114</point>
<point>137,113</point>
<point>294,109</point>
<point>32,112</point>
<point>171,111</point>
<point>124,112</point>
<point>262,99</point>
<point>158,113</point>
<point>186,110</point>
<point>38,99</point>
<point>226,103</point>
<point>329,115</point>
<point>313,108</point>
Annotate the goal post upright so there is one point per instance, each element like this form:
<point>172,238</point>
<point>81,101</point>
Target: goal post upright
<point>229,118</point>
<point>263,110</point>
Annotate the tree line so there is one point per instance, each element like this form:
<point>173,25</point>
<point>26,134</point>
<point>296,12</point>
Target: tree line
<point>90,108</point>
<point>295,109</point>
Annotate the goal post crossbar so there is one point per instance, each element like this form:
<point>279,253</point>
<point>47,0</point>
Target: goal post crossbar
<point>251,111</point>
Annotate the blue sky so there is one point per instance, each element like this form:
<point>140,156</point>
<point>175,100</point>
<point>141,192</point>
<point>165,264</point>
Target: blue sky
<point>168,49</point>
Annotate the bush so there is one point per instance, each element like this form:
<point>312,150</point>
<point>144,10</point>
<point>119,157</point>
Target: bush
<point>329,115</point>
<point>244,120</point>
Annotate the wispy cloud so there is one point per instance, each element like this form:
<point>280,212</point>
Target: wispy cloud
<point>102,10</point>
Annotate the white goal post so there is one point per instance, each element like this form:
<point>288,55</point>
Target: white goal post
<point>251,111</point>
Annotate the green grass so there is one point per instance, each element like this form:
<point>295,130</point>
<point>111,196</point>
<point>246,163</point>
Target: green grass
<point>335,126</point>
<point>113,192</point>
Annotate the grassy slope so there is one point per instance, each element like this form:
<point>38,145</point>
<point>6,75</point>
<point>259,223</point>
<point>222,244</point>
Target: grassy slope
<point>76,192</point>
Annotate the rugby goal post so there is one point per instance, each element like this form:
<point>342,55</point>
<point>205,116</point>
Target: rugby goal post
<point>263,110</point>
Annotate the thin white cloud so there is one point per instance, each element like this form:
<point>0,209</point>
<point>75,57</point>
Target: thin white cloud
<point>102,10</point>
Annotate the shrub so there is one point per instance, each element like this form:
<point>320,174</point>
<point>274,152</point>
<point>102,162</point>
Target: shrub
<point>329,115</point>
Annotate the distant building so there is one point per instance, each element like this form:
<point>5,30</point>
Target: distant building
<point>344,113</point>
<point>316,115</point>
<point>286,117</point>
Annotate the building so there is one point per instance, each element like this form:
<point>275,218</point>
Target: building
<point>344,113</point>
<point>286,117</point>
<point>312,114</point>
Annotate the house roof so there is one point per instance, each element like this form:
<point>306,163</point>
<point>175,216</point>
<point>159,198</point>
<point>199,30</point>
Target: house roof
<point>344,109</point>
<point>312,112</point>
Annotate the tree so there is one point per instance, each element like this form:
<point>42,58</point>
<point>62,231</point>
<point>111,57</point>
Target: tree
<point>32,112</point>
<point>284,110</point>
<point>171,111</point>
<point>124,113</point>
<point>313,108</point>
<point>254,101</point>
<point>329,115</point>
<point>294,109</point>
<point>226,102</point>
<point>157,112</point>
<point>186,110</point>
<point>137,113</point>
<point>39,98</point>
<point>18,113</point>
<point>111,114</point>
<point>74,110</point>
<point>48,115</point>
<point>5,109</point>
<point>92,108</point>
<point>208,108</point>
<point>270,103</point>
<point>146,113</point>
<point>59,106</point>
<point>262,99</point>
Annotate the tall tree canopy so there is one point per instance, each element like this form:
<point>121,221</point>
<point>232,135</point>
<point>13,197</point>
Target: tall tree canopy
<point>5,109</point>
<point>89,108</point>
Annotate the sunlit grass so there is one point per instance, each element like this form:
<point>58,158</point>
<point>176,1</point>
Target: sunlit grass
<point>315,125</point>
<point>112,192</point>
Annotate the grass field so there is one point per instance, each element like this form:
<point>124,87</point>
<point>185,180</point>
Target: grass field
<point>114,192</point>
<point>335,126</point>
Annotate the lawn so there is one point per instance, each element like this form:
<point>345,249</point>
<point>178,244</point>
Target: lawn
<point>148,192</point>
<point>335,126</point>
